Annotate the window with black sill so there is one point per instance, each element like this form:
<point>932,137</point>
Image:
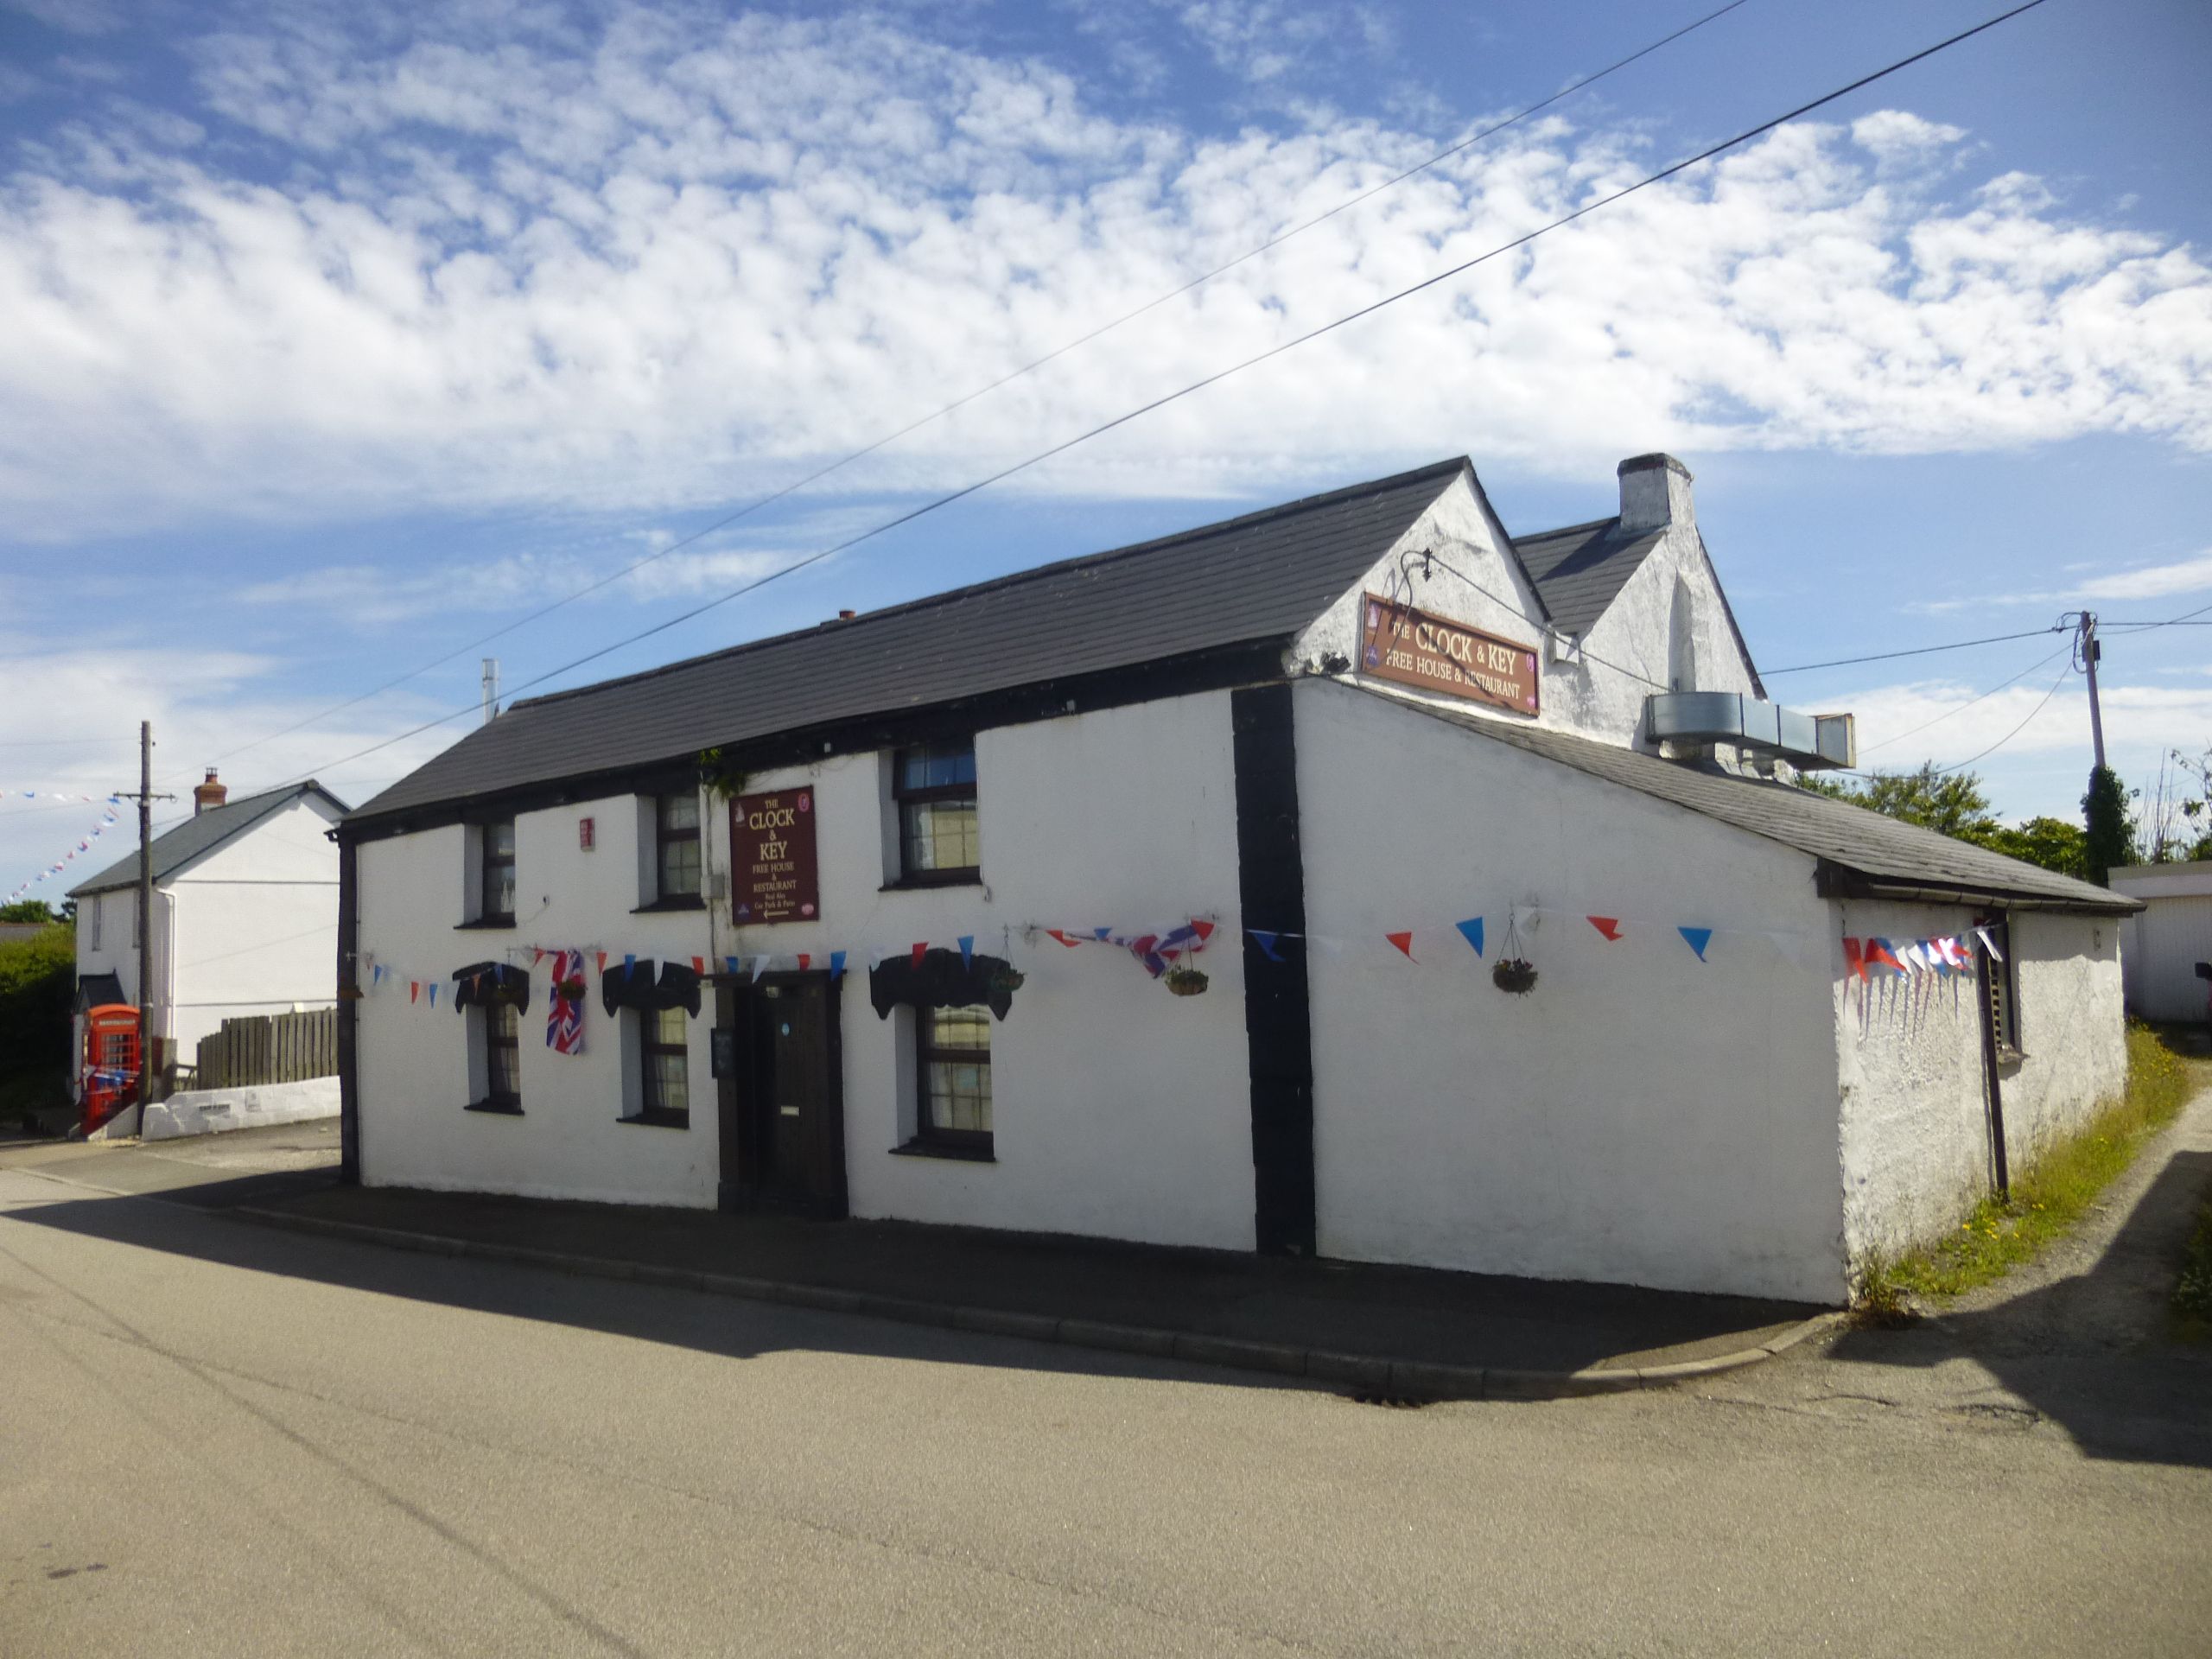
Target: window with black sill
<point>497,872</point>
<point>664,1094</point>
<point>676,833</point>
<point>934,789</point>
<point>502,1055</point>
<point>953,1072</point>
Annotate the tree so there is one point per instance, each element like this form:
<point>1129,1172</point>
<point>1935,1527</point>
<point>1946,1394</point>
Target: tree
<point>1955,804</point>
<point>26,909</point>
<point>2111,832</point>
<point>2052,843</point>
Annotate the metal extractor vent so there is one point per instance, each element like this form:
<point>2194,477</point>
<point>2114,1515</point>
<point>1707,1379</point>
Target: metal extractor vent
<point>1806,741</point>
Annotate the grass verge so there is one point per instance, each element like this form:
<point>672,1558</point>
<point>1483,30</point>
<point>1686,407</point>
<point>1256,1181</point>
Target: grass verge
<point>2049,1198</point>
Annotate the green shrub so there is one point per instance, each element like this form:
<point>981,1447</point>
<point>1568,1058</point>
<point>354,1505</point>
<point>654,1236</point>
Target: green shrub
<point>38,983</point>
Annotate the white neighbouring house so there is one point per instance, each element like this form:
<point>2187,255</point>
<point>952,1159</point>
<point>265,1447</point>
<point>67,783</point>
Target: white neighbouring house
<point>245,915</point>
<point>1369,744</point>
<point>2168,949</point>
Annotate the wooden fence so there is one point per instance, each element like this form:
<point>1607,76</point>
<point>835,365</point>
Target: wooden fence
<point>268,1048</point>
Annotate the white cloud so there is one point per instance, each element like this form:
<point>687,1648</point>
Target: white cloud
<point>2153,582</point>
<point>1899,134</point>
<point>671,263</point>
<point>203,705</point>
<point>2187,575</point>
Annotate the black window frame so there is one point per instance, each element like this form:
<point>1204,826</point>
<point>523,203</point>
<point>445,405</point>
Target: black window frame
<point>2001,986</point>
<point>496,1099</point>
<point>664,837</point>
<point>486,863</point>
<point>652,1107</point>
<point>979,1144</point>
<point>903,796</point>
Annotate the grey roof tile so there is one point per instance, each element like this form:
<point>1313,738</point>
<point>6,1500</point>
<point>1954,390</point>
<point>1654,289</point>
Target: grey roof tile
<point>1262,576</point>
<point>1579,571</point>
<point>175,847</point>
<point>1858,840</point>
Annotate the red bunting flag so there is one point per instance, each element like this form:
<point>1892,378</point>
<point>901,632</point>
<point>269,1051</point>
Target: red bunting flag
<point>921,946</point>
<point>1403,941</point>
<point>602,961</point>
<point>804,958</point>
<point>699,965</point>
<point>1854,956</point>
<point>1055,933</point>
<point>1205,929</point>
<point>1608,926</point>
<point>537,955</point>
<point>414,989</point>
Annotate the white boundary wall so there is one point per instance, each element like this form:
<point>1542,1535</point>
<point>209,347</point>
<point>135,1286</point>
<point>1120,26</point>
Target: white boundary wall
<point>1915,1139</point>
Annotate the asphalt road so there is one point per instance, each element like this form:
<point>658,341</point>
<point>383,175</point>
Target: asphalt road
<point>220,1439</point>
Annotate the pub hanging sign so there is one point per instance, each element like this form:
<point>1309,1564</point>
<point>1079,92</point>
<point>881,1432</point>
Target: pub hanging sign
<point>773,876</point>
<point>1434,653</point>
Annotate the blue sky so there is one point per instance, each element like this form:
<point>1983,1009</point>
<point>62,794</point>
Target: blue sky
<point>333,344</point>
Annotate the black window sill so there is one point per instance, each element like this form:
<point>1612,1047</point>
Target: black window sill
<point>484,922</point>
<point>934,879</point>
<point>680,901</point>
<point>967,1154</point>
<point>498,1108</point>
<point>659,1118</point>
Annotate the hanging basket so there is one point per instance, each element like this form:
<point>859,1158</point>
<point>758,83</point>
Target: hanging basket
<point>569,990</point>
<point>1515,976</point>
<point>1186,981</point>
<point>1007,980</point>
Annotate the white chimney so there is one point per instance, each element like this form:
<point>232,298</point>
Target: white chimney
<point>1654,493</point>
<point>490,688</point>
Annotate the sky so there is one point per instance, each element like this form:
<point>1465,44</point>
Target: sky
<point>334,338</point>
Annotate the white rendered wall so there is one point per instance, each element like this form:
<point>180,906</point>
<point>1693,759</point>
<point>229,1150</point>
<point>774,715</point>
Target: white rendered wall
<point>255,925</point>
<point>1598,692</point>
<point>414,1065</point>
<point>1641,1117</point>
<point>1120,1110</point>
<point>1915,1140</point>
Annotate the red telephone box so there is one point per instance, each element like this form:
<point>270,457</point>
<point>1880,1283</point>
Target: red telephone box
<point>111,1065</point>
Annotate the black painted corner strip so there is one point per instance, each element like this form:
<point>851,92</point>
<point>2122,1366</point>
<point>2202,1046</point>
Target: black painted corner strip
<point>1278,1023</point>
<point>349,980</point>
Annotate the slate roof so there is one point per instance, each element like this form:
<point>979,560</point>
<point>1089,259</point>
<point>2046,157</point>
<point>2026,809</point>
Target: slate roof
<point>203,832</point>
<point>1880,850</point>
<point>1580,571</point>
<point>1263,576</point>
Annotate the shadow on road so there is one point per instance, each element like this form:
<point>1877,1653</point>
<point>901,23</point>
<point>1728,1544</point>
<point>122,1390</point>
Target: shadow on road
<point>730,1327</point>
<point>1393,1312</point>
<point>2091,1352</point>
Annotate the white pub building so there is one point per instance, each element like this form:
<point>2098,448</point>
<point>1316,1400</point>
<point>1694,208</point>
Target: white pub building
<point>1348,879</point>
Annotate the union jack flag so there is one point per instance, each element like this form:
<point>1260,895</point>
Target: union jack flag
<point>564,1011</point>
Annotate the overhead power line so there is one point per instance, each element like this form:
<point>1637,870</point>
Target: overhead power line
<point>1011,375</point>
<point>1961,766</point>
<point>1961,708</point>
<point>1917,650</point>
<point>1039,456</point>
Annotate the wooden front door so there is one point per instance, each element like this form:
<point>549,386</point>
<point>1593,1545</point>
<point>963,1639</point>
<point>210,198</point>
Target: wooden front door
<point>781,1099</point>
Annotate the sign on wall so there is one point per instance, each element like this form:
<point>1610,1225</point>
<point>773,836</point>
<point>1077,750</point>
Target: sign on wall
<point>1434,653</point>
<point>773,877</point>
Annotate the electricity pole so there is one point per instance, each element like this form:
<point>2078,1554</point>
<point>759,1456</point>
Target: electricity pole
<point>2090,648</point>
<point>146,799</point>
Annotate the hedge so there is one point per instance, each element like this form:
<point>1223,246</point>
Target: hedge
<point>38,984</point>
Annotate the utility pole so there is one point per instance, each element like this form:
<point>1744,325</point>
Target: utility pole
<point>146,799</point>
<point>2090,648</point>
